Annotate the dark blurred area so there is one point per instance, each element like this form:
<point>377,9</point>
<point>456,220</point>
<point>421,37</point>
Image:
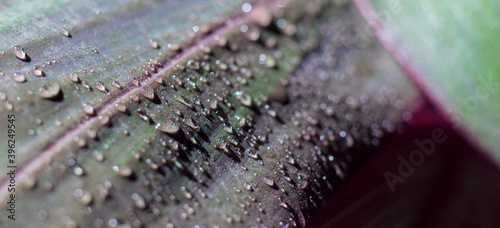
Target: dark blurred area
<point>455,186</point>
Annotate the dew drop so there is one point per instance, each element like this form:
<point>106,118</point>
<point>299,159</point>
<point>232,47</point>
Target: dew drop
<point>86,198</point>
<point>169,126</point>
<point>189,122</point>
<point>270,62</point>
<point>20,54</point>
<point>139,201</point>
<point>148,93</point>
<point>74,77</point>
<point>117,84</point>
<point>3,96</point>
<point>262,17</point>
<point>125,171</point>
<point>121,107</point>
<point>154,44</point>
<point>88,109</point>
<point>212,104</point>
<point>50,90</point>
<point>65,33</point>
<point>247,7</point>
<point>8,106</point>
<point>100,86</point>
<point>268,182</point>
<point>38,73</point>
<point>78,171</point>
<point>18,77</point>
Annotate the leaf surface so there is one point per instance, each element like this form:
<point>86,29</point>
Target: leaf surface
<point>229,118</point>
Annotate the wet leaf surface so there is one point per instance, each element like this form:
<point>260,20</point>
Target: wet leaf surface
<point>248,118</point>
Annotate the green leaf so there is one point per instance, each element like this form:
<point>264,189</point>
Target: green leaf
<point>450,49</point>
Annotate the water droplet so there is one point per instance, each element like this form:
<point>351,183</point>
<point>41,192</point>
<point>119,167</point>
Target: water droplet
<point>125,171</point>
<point>8,106</point>
<point>74,77</point>
<point>212,104</point>
<point>81,143</point>
<point>121,107</point>
<point>117,84</point>
<point>154,44</point>
<point>100,86</point>
<point>112,223</point>
<point>20,54</point>
<point>18,77</point>
<point>189,122</point>
<point>248,186</point>
<point>174,47</point>
<point>91,133</point>
<point>86,198</point>
<point>38,73</point>
<point>98,156</point>
<point>144,117</point>
<point>148,93</point>
<point>247,7</point>
<point>268,182</point>
<point>27,182</point>
<point>3,96</point>
<point>184,102</point>
<point>78,171</point>
<point>139,201</point>
<point>270,62</point>
<point>49,91</point>
<point>88,109</point>
<point>65,33</point>
<point>262,17</point>
<point>245,99</point>
<point>169,126</point>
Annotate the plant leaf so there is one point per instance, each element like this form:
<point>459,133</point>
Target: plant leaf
<point>449,48</point>
<point>241,124</point>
